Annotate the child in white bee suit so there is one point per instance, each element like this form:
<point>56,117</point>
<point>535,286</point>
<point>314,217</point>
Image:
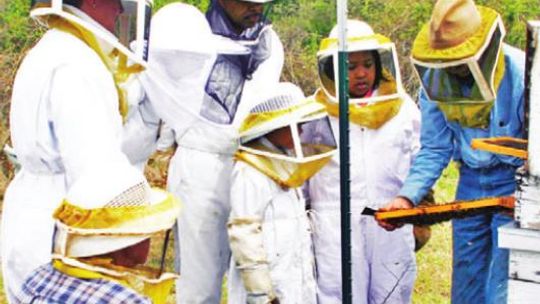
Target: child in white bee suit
<point>384,134</point>
<point>104,230</point>
<point>268,227</point>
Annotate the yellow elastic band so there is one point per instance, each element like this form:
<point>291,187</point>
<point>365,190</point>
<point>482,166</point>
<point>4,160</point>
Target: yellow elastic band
<point>332,43</point>
<point>110,217</point>
<point>285,174</point>
<point>371,116</point>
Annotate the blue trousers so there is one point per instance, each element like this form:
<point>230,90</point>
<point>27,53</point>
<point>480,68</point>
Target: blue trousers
<point>480,267</point>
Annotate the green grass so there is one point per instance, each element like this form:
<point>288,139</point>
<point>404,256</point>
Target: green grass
<point>435,259</point>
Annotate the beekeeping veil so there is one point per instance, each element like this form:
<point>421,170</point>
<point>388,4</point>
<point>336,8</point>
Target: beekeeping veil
<point>286,110</point>
<point>123,51</point>
<point>108,210</point>
<point>459,61</point>
<point>183,51</point>
<point>385,97</point>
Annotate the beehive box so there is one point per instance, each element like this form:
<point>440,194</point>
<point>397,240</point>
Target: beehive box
<point>520,292</point>
<point>527,207</point>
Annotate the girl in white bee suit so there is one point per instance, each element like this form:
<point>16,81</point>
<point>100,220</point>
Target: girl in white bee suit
<point>67,111</point>
<point>268,227</point>
<point>384,135</point>
<point>200,170</point>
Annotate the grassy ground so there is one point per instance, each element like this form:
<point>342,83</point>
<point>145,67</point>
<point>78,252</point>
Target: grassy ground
<point>434,260</point>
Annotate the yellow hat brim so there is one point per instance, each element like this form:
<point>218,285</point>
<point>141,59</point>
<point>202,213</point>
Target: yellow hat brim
<point>423,51</point>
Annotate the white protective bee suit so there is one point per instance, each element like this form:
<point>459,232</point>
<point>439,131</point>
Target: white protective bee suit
<point>64,120</point>
<point>200,171</point>
<point>383,263</point>
<point>285,236</point>
<point>380,161</point>
<point>268,226</point>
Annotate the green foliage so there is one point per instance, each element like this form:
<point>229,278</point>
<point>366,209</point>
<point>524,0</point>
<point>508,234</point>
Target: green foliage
<point>17,31</point>
<point>201,4</point>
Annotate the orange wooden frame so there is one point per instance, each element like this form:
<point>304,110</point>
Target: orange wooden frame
<point>495,145</point>
<point>504,201</point>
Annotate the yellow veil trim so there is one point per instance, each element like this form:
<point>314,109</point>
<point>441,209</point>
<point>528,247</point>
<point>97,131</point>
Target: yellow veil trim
<point>422,50</point>
<point>115,62</point>
<point>332,43</point>
<point>285,173</point>
<point>111,217</point>
<point>256,119</point>
<point>371,116</point>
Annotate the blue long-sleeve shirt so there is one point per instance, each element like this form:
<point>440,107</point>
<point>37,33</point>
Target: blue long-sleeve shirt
<point>441,140</point>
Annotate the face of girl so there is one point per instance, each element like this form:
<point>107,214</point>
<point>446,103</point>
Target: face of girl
<point>362,70</point>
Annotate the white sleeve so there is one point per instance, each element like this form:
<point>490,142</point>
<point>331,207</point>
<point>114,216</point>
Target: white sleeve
<point>85,119</point>
<point>140,133</point>
<point>166,139</point>
<point>250,194</point>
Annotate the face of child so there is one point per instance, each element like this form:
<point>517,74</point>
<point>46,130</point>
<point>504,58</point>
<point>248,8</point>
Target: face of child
<point>133,255</point>
<point>362,70</point>
<point>281,138</point>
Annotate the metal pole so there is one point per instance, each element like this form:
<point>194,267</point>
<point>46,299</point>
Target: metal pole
<point>343,92</point>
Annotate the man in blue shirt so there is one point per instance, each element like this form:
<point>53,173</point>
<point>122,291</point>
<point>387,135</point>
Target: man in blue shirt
<point>472,88</point>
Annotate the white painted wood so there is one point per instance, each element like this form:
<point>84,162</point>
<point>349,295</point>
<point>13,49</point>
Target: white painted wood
<point>524,265</point>
<point>512,237</point>
<point>527,210</point>
<point>520,292</point>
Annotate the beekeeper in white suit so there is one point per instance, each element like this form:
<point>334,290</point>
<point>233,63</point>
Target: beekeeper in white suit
<point>68,105</point>
<point>268,227</point>
<point>384,138</point>
<point>205,126</point>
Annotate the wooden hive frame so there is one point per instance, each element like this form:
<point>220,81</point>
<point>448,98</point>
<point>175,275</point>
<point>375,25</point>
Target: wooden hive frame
<point>433,214</point>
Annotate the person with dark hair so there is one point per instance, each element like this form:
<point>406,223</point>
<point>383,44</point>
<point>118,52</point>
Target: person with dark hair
<point>384,133</point>
<point>200,171</point>
<point>99,257</point>
<point>268,212</point>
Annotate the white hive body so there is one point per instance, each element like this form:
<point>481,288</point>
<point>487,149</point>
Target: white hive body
<point>527,210</point>
<point>522,237</point>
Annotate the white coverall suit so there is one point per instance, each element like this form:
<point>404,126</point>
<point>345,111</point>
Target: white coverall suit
<point>383,263</point>
<point>200,174</point>
<point>64,119</point>
<point>285,236</point>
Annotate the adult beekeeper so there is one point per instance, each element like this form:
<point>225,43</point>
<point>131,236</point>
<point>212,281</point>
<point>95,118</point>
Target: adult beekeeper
<point>269,230</point>
<point>472,87</point>
<point>102,241</point>
<point>384,138</point>
<point>217,72</point>
<point>68,105</point>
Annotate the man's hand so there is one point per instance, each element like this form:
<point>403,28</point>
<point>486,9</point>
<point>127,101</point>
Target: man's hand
<point>398,203</point>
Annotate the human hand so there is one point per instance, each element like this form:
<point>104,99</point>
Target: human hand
<point>396,204</point>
